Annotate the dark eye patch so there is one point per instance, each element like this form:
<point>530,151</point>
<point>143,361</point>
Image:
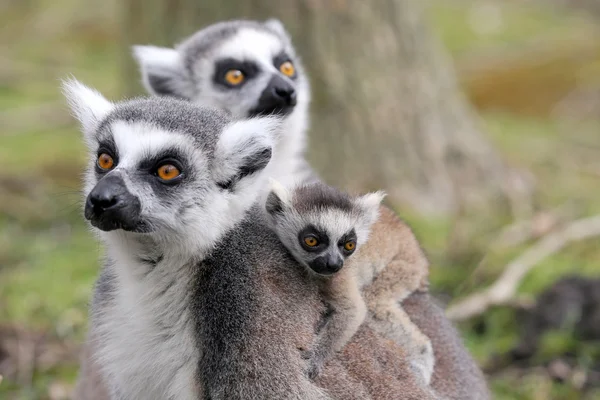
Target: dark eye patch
<point>108,146</point>
<point>348,236</point>
<point>280,59</point>
<point>320,235</point>
<point>147,170</point>
<point>248,68</point>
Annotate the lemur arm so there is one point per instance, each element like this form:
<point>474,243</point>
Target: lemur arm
<point>347,312</point>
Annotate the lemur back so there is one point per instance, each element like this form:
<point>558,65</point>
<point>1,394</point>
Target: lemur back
<point>322,228</point>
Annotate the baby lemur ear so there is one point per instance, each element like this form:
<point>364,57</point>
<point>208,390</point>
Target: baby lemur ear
<point>369,204</point>
<point>244,148</point>
<point>278,199</point>
<point>87,105</point>
<point>163,72</point>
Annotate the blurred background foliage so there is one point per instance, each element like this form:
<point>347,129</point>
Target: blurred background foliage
<point>530,68</point>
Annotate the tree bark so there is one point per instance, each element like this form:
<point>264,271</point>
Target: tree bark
<point>387,111</point>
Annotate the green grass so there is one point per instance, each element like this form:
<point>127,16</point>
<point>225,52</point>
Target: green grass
<point>49,259</point>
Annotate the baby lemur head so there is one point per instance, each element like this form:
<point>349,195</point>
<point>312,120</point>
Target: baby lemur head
<point>320,225</point>
<point>168,169</point>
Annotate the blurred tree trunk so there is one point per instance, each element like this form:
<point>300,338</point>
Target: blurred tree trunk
<point>387,111</point>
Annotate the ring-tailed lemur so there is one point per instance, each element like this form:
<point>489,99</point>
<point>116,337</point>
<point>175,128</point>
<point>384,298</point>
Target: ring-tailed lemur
<point>247,68</point>
<point>322,228</point>
<point>190,74</point>
<point>166,180</point>
<point>198,298</point>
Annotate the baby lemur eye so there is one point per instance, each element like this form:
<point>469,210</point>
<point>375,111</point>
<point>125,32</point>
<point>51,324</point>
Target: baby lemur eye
<point>311,241</point>
<point>350,245</point>
<point>168,172</point>
<point>288,69</point>
<point>234,77</point>
<point>105,162</point>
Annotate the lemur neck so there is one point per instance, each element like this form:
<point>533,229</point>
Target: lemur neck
<point>288,165</point>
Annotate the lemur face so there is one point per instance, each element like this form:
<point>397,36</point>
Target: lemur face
<point>245,67</point>
<point>321,226</point>
<point>168,167</point>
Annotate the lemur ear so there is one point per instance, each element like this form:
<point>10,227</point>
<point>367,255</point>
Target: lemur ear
<point>369,204</point>
<point>279,198</point>
<point>244,148</point>
<point>87,105</point>
<point>163,72</point>
<point>276,26</point>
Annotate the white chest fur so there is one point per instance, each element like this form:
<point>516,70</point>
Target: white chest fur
<point>144,335</point>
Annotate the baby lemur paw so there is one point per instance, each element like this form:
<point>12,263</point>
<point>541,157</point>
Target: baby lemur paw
<point>423,361</point>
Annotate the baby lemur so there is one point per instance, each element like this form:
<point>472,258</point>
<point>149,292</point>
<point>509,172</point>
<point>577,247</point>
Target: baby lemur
<point>323,228</point>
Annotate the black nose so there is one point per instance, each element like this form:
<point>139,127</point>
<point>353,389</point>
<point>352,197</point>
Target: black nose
<point>102,199</point>
<point>327,264</point>
<point>279,97</point>
<point>111,206</point>
<point>287,94</point>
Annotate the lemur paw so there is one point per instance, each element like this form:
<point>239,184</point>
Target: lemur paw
<point>423,361</point>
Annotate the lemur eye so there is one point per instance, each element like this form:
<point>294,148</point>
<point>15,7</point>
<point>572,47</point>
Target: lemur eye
<point>287,68</point>
<point>350,245</point>
<point>168,172</point>
<point>105,161</point>
<point>234,77</point>
<point>311,241</point>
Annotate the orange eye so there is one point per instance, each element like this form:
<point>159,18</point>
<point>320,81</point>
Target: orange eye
<point>168,172</point>
<point>287,68</point>
<point>350,245</point>
<point>105,161</point>
<point>311,241</point>
<point>234,77</point>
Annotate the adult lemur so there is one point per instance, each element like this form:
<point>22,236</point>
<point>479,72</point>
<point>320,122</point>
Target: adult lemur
<point>197,297</point>
<point>250,67</point>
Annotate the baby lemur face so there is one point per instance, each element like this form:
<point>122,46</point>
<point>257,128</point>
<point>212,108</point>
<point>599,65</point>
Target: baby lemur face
<point>245,67</point>
<point>320,225</point>
<point>166,167</point>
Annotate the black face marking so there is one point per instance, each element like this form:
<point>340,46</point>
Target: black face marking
<point>350,236</point>
<point>109,147</point>
<point>251,164</point>
<point>280,59</point>
<point>111,206</point>
<point>248,68</point>
<point>278,98</point>
<point>327,264</point>
<point>322,238</point>
<point>147,172</point>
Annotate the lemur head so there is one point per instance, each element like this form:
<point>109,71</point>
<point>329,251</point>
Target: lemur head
<point>167,168</point>
<point>320,225</point>
<point>245,67</point>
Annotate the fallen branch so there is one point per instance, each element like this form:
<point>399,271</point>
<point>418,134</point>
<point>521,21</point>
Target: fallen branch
<point>504,289</point>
